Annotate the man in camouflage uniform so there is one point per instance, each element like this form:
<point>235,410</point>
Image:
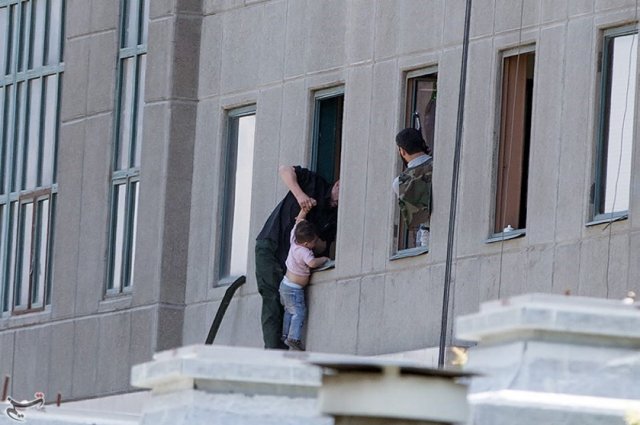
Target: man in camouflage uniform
<point>413,185</point>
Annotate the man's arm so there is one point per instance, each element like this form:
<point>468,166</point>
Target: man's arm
<point>288,176</point>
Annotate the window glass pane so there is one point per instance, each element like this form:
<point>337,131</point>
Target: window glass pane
<point>130,36</point>
<point>40,272</point>
<point>24,261</point>
<point>24,37</point>
<point>3,252</point>
<point>50,129</point>
<point>13,36</point>
<point>142,65</point>
<point>55,32</point>
<point>242,195</point>
<point>38,22</point>
<point>144,22</point>
<point>7,169</point>
<point>117,247</point>
<point>11,258</point>
<point>49,266</point>
<point>3,142</point>
<point>621,110</point>
<point>19,132</point>
<point>327,143</point>
<point>32,150</point>
<point>127,82</point>
<point>4,38</point>
<point>134,231</point>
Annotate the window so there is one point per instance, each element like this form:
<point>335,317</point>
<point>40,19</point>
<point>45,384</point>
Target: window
<point>515,138</point>
<point>31,35</point>
<point>125,178</point>
<point>420,113</point>
<point>234,247</point>
<point>610,196</point>
<point>327,133</point>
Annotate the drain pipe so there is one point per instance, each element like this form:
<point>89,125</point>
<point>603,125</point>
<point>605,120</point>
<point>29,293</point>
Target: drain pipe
<point>454,187</point>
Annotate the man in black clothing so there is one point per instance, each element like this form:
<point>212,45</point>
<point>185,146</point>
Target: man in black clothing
<point>306,190</point>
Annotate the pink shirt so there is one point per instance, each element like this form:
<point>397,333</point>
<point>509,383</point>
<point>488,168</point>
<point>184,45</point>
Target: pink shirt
<point>299,257</point>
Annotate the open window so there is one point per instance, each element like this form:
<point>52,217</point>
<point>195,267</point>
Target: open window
<point>611,189</point>
<point>420,113</point>
<point>327,133</point>
<point>236,209</point>
<point>515,138</point>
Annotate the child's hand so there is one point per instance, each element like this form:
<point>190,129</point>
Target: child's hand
<point>302,215</point>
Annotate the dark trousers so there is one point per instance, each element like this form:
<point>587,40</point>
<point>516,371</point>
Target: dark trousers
<point>269,274</point>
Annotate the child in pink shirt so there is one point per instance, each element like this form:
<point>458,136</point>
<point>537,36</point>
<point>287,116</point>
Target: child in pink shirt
<point>299,263</point>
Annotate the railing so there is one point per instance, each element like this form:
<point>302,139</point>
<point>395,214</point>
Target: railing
<point>222,309</point>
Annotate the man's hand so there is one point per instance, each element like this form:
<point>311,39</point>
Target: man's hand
<point>288,176</point>
<point>306,202</point>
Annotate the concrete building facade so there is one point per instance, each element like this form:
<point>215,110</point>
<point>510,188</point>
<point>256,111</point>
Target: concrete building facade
<point>155,210</point>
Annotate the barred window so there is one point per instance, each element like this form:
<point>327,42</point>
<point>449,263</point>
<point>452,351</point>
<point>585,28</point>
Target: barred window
<point>125,176</point>
<point>31,42</point>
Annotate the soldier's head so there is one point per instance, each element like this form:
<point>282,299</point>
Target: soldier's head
<point>410,143</point>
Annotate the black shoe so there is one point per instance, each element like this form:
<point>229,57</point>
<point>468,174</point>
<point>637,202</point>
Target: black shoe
<point>294,344</point>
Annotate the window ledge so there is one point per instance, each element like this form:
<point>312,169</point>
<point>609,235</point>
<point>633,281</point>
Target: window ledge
<point>113,302</point>
<point>223,282</point>
<point>34,317</point>
<point>331,264</point>
<point>505,236</point>
<point>608,218</point>
<point>411,252</point>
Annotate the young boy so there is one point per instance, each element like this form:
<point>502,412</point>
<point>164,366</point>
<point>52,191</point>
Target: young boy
<point>299,263</point>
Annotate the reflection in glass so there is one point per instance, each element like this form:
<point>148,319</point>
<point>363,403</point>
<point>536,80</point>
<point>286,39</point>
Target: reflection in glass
<point>134,231</point>
<point>126,112</point>
<point>39,274</point>
<point>24,264</point>
<point>4,40</point>
<point>55,32</point>
<point>119,218</point>
<point>36,55</point>
<point>50,129</point>
<point>621,87</point>
<point>241,207</point>
<point>33,140</point>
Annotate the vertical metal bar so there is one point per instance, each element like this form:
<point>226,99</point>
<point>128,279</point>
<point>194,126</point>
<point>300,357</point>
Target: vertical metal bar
<point>454,186</point>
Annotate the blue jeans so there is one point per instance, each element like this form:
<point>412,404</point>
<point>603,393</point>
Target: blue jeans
<point>295,310</point>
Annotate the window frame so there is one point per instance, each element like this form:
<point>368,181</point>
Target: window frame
<point>319,96</point>
<point>598,191</point>
<point>409,101</point>
<point>227,197</point>
<point>495,235</point>
<point>127,145</point>
<point>32,50</point>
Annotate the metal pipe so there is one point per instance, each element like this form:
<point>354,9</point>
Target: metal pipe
<point>454,187</point>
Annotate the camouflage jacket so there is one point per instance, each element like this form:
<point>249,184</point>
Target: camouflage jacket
<point>414,194</point>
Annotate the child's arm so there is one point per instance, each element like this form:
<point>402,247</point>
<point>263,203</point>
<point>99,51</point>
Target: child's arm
<point>302,215</point>
<point>317,262</point>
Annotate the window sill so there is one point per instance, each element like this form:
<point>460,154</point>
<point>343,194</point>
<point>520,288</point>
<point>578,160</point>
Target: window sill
<point>505,236</point>
<point>411,252</point>
<point>32,317</point>
<point>113,302</point>
<point>223,282</point>
<point>608,218</point>
<point>331,264</point>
